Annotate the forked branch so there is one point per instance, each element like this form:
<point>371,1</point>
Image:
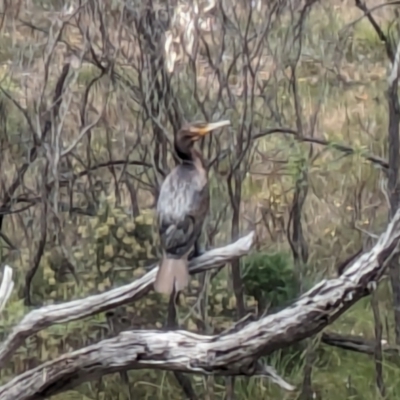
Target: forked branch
<point>230,353</point>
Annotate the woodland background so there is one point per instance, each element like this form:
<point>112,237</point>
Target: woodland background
<point>89,100</point>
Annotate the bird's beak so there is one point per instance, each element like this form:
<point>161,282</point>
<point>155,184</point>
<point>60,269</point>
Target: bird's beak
<point>206,128</point>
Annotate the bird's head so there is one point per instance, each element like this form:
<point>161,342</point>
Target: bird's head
<point>196,130</point>
<point>191,133</point>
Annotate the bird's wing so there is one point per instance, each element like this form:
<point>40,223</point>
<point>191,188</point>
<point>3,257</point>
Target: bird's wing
<point>179,228</point>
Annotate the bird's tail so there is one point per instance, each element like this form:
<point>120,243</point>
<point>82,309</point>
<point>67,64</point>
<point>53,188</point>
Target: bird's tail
<point>172,273</point>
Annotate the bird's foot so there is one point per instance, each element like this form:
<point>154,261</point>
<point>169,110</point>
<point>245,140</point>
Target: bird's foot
<point>178,298</point>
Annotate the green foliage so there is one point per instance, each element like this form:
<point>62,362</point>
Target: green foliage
<point>110,248</point>
<point>119,241</point>
<point>270,278</point>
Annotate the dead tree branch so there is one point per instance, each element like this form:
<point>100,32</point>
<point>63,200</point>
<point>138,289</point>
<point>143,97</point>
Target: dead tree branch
<point>356,343</point>
<point>234,353</point>
<point>380,162</point>
<point>44,317</point>
<point>392,52</point>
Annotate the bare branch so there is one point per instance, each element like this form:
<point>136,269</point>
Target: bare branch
<point>337,146</point>
<point>356,343</point>
<point>395,70</point>
<point>6,287</point>
<point>220,354</point>
<point>54,314</point>
<point>83,132</point>
<point>382,37</point>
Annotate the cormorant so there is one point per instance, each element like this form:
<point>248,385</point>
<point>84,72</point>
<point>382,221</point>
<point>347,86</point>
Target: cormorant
<point>182,206</point>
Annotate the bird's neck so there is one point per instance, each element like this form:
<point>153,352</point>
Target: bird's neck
<point>184,152</point>
<point>189,155</point>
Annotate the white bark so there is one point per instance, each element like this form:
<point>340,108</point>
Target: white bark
<point>44,317</point>
<point>6,287</point>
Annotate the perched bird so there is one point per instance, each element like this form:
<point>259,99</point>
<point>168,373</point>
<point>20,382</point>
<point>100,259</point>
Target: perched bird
<point>182,206</point>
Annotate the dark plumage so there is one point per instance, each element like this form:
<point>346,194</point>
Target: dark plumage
<point>182,206</point>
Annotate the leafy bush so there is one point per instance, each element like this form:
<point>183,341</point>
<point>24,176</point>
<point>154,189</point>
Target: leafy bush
<point>270,279</point>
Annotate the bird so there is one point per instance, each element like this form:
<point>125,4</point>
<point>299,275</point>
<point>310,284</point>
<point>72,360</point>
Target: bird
<point>182,207</point>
